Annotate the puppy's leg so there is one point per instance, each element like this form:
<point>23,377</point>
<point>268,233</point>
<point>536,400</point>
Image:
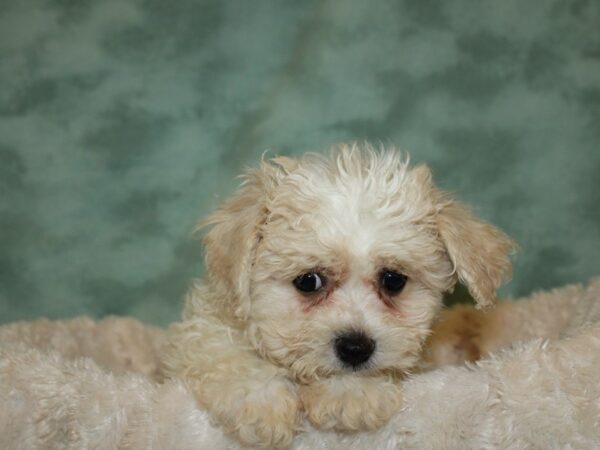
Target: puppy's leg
<point>246,395</point>
<point>351,403</point>
<point>463,333</point>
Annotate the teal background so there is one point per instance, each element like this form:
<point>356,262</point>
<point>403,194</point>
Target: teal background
<point>123,121</point>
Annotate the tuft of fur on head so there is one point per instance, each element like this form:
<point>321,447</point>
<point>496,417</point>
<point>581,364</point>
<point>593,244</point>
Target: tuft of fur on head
<point>348,216</point>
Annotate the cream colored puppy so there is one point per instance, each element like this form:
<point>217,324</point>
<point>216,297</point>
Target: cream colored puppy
<point>323,278</point>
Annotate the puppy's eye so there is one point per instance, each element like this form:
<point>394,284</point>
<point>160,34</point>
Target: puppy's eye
<point>392,282</point>
<point>309,282</point>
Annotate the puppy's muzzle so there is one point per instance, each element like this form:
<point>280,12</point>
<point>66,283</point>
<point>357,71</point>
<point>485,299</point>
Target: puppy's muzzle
<point>354,348</point>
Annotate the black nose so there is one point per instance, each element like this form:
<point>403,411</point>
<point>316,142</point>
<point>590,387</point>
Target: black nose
<point>354,348</point>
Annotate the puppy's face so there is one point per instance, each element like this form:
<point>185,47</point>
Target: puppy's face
<point>347,262</point>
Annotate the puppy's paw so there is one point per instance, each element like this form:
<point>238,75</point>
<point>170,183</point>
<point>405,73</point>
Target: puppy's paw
<point>265,415</point>
<point>351,403</point>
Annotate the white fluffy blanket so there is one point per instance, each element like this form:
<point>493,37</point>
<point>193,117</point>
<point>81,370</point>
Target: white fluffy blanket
<point>536,395</point>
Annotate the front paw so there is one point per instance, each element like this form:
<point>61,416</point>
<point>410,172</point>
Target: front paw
<point>261,415</point>
<point>350,403</point>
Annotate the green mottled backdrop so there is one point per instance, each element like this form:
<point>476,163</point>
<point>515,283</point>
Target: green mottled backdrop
<point>122,121</point>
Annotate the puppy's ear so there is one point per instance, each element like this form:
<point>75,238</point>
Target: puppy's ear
<point>231,243</point>
<point>480,252</point>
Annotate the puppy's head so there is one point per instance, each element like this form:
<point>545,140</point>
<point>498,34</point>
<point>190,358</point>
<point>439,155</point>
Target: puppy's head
<point>340,264</point>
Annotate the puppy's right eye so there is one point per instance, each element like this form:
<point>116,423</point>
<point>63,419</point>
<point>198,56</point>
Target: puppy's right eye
<point>392,282</point>
<point>309,282</point>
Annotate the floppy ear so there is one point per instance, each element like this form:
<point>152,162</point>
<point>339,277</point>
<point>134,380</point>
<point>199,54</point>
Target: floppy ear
<point>231,243</point>
<point>479,251</point>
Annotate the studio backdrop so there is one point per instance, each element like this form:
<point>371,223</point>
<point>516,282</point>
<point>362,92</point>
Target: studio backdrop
<point>122,122</point>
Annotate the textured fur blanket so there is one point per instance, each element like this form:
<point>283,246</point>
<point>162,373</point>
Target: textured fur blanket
<point>538,394</point>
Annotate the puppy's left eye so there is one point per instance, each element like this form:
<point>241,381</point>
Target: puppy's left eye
<point>309,282</point>
<point>392,282</point>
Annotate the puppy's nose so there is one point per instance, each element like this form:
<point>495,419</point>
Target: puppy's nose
<point>354,348</point>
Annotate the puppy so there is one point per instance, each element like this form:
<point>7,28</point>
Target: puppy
<point>324,275</point>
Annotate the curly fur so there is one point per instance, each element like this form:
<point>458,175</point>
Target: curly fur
<point>258,354</point>
<point>258,358</point>
<point>83,384</point>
